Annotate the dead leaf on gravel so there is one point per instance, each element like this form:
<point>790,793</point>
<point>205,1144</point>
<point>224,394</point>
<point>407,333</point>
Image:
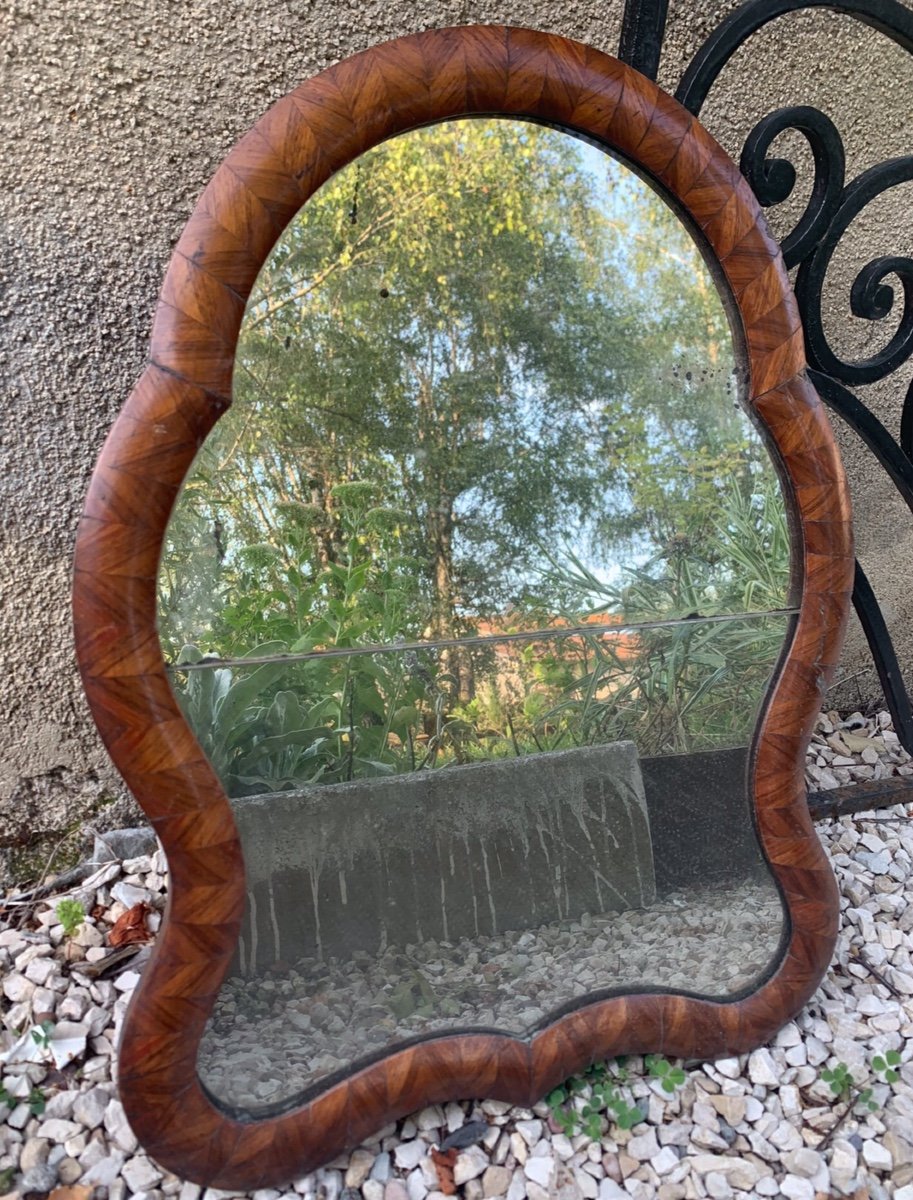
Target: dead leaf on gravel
<point>71,1193</point>
<point>443,1163</point>
<point>130,927</point>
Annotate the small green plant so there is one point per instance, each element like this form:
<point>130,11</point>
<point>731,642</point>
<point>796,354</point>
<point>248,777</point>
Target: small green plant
<point>846,1089</point>
<point>70,914</point>
<point>840,1080</point>
<point>886,1065</point>
<point>7,1175</point>
<point>660,1068</point>
<point>864,1099</point>
<point>37,1101</point>
<point>858,1095</point>
<point>42,1035</point>
<point>605,1097</point>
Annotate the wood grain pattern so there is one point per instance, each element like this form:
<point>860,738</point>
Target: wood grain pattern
<point>272,171</point>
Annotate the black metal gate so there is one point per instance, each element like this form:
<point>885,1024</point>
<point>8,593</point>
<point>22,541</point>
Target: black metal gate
<point>834,203</point>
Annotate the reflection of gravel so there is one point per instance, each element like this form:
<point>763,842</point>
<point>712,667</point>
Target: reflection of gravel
<point>272,1037</point>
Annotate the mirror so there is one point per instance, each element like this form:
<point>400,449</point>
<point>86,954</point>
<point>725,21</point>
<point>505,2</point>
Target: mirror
<point>476,601</point>
<point>472,600</point>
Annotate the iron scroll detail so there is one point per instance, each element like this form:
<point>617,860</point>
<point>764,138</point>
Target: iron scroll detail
<point>772,179</point>
<point>810,245</point>
<point>889,17</point>
<point>870,297</point>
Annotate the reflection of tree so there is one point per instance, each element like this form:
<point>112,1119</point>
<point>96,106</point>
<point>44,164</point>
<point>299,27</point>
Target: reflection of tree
<point>501,335</point>
<point>692,683</point>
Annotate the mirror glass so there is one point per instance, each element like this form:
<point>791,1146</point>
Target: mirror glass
<point>472,599</point>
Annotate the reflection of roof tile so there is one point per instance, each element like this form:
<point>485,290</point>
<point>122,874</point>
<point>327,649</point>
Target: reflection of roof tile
<point>626,644</point>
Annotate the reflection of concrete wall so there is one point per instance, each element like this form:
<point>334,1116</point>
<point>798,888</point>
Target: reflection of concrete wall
<point>700,821</point>
<point>123,113</point>
<point>448,854</point>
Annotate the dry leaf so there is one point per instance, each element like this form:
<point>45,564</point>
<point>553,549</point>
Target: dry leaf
<point>443,1163</point>
<point>76,1192</point>
<point>130,927</point>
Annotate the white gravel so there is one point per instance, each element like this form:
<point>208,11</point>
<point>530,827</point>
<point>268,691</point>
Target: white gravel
<point>754,1126</point>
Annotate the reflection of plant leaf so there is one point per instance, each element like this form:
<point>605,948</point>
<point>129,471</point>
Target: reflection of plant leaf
<point>243,691</point>
<point>373,767</point>
<point>295,737</point>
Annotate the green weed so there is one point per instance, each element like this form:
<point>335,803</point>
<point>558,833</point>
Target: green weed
<point>70,914</point>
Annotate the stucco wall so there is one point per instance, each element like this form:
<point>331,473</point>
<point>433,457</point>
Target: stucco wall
<point>116,116</point>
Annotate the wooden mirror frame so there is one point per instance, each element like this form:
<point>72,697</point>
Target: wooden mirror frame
<point>301,141</point>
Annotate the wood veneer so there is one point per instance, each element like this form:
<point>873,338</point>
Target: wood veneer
<point>272,171</point>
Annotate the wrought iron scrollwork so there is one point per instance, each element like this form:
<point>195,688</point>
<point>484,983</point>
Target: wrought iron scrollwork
<point>887,16</point>
<point>773,179</point>
<point>810,246</point>
<point>899,467</point>
<point>870,296</point>
<point>642,29</point>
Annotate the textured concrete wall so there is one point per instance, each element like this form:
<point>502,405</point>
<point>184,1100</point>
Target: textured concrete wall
<point>116,116</point>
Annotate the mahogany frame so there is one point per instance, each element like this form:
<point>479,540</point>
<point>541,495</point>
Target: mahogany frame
<point>270,173</point>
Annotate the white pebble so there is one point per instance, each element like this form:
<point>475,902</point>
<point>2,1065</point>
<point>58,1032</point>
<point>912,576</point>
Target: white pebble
<point>410,1154</point>
<point>794,1187</point>
<point>730,1067</point>
<point>762,1069</point>
<point>665,1161</point>
<point>469,1165</point>
<point>877,1156</point>
<point>540,1170</point>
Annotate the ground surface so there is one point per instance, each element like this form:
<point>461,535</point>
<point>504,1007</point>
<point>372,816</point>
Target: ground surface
<point>767,1124</point>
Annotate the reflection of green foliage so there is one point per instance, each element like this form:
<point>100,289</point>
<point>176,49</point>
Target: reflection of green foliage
<point>70,914</point>
<point>354,495</point>
<point>281,591</point>
<point>381,518</point>
<point>279,724</point>
<point>741,565</point>
<point>327,719</point>
<point>679,687</point>
<point>487,329</point>
<point>472,344</point>
<point>296,513</point>
<point>259,557</point>
<point>688,686</point>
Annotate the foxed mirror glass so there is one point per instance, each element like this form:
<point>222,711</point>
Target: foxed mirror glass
<point>472,599</point>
